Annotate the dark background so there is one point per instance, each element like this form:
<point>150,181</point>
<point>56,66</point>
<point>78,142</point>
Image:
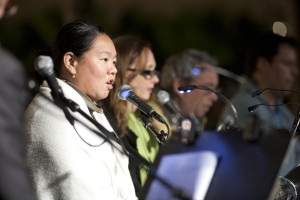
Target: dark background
<point>222,28</point>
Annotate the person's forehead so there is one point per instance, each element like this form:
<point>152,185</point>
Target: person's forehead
<point>286,53</point>
<point>202,67</point>
<point>285,49</point>
<point>206,78</point>
<point>206,66</point>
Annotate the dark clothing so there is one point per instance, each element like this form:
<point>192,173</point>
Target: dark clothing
<point>14,179</point>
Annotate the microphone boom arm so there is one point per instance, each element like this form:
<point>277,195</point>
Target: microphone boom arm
<point>224,99</point>
<point>220,96</point>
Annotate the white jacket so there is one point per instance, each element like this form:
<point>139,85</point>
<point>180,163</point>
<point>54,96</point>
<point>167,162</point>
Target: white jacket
<point>69,162</point>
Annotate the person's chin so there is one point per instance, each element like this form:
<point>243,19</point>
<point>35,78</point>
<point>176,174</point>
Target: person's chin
<point>145,97</point>
<point>201,114</point>
<point>104,95</point>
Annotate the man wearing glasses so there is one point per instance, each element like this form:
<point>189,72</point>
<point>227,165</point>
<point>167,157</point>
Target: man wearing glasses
<point>189,67</point>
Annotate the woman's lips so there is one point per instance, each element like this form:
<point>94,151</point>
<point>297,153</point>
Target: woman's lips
<point>110,84</point>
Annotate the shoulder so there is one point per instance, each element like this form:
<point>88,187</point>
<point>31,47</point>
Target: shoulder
<point>9,63</point>
<point>42,113</point>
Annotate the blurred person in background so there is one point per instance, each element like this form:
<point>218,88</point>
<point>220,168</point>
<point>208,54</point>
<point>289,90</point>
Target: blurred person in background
<point>271,62</point>
<point>189,67</point>
<point>136,67</point>
<point>14,179</point>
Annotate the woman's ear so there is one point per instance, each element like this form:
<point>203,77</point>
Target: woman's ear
<point>70,62</point>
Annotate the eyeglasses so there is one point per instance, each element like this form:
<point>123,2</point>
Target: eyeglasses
<point>210,89</point>
<point>148,74</point>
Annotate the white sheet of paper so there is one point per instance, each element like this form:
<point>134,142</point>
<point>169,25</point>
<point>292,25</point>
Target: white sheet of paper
<point>191,172</point>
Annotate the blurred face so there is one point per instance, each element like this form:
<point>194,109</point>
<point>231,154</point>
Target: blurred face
<point>7,8</point>
<point>198,102</point>
<point>283,69</point>
<point>3,4</point>
<point>142,84</point>
<point>95,70</point>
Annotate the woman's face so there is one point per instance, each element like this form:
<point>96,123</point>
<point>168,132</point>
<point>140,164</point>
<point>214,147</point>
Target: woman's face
<point>96,70</point>
<point>142,84</point>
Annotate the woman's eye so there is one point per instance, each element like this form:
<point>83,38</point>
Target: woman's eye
<point>105,59</point>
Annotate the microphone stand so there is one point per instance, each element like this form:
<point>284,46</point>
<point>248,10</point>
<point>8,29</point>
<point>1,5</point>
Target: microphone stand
<point>58,100</point>
<point>71,119</point>
<point>75,108</point>
<point>177,192</point>
<point>144,119</point>
<point>291,145</point>
<point>224,99</point>
<point>220,96</point>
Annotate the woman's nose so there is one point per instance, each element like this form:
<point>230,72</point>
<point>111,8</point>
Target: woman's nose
<point>155,79</point>
<point>113,69</point>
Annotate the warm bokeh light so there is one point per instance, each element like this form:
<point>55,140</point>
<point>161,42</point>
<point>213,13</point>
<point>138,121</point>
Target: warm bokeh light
<point>279,28</point>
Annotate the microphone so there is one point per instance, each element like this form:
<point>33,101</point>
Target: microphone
<point>253,107</point>
<point>258,92</point>
<point>125,93</point>
<point>163,99</point>
<point>44,66</point>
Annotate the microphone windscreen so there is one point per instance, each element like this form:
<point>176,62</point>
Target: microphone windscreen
<point>44,65</point>
<point>162,97</point>
<point>124,91</point>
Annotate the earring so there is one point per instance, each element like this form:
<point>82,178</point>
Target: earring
<point>73,75</point>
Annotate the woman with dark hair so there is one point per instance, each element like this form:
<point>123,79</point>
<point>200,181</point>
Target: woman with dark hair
<point>69,161</point>
<point>136,68</point>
